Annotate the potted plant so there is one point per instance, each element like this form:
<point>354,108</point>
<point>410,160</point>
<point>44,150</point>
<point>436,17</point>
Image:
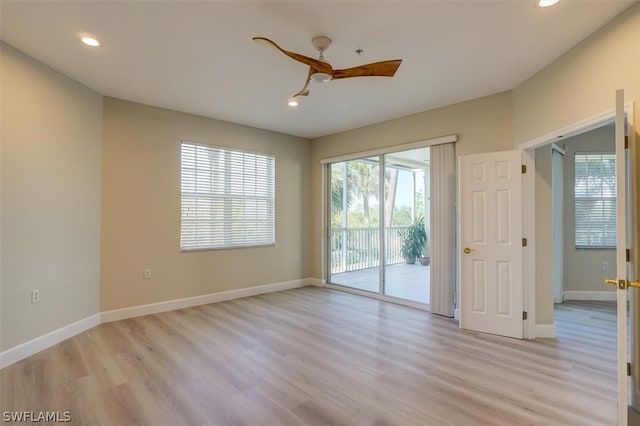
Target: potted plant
<point>414,241</point>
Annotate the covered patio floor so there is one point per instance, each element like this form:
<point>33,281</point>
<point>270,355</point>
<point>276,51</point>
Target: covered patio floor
<point>410,282</point>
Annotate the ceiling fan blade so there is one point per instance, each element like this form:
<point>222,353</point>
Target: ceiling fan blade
<point>376,69</point>
<point>315,63</point>
<point>307,84</point>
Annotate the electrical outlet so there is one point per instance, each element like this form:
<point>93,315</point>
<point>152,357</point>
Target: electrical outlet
<point>605,266</point>
<point>146,274</point>
<point>35,296</point>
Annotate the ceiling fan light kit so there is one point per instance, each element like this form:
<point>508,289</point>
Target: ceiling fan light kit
<point>547,3</point>
<point>321,71</point>
<point>320,77</point>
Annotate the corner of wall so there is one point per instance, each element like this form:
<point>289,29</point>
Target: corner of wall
<point>49,240</point>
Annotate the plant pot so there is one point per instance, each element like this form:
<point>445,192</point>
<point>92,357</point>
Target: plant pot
<point>409,260</point>
<point>424,260</point>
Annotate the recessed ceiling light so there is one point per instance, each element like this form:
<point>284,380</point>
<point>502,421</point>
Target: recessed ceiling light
<point>90,41</point>
<point>292,103</point>
<point>547,3</point>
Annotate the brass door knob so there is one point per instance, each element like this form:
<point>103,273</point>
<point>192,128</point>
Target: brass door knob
<point>467,250</point>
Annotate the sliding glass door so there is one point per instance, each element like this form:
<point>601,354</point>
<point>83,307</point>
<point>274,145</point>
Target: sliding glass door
<point>354,224</point>
<point>378,225</point>
<point>407,261</point>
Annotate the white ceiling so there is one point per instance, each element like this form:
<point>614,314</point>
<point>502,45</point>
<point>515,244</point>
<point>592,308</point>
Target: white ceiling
<point>198,57</point>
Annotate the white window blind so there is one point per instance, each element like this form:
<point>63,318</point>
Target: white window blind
<point>595,200</point>
<point>227,197</point>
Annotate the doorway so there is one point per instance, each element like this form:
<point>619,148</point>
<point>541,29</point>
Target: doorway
<point>583,186</point>
<point>626,216</point>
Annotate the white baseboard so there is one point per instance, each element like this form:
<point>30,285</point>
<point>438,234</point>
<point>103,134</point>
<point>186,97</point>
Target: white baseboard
<point>545,331</point>
<point>590,295</point>
<point>316,282</point>
<point>171,305</point>
<point>45,341</point>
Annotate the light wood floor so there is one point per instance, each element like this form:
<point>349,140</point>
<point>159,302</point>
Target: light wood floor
<point>317,356</point>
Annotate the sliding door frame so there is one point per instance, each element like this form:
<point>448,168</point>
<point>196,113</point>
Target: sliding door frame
<point>326,226</point>
<point>382,252</point>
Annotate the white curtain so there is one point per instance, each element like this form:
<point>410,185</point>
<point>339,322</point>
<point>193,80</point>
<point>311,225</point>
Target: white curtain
<point>443,228</point>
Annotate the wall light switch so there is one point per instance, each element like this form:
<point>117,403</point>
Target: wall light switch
<point>146,274</point>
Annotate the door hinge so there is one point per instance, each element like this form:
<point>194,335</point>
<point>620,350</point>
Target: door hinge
<point>628,369</point>
<point>626,142</point>
<point>524,242</point>
<point>524,168</point>
<point>628,255</point>
<point>524,315</point>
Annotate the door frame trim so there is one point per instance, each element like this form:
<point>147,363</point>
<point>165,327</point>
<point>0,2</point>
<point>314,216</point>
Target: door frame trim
<point>528,255</point>
<point>528,147</point>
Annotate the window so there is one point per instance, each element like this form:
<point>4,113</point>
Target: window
<point>595,198</point>
<point>227,198</point>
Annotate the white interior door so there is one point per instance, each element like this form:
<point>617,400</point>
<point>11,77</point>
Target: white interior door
<point>491,240</point>
<point>621,258</point>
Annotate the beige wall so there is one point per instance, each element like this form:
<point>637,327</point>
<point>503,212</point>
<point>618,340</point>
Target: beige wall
<point>583,268</point>
<point>582,83</point>
<point>50,199</point>
<point>141,208</point>
<point>577,86</point>
<point>482,125</point>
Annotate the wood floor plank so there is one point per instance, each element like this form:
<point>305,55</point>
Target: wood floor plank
<point>315,356</point>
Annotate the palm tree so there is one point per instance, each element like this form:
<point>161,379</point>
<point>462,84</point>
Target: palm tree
<point>389,207</point>
<point>364,180</point>
<point>338,199</point>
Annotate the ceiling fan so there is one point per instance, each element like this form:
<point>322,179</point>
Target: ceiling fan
<point>321,71</point>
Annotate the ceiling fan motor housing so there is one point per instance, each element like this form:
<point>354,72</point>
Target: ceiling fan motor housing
<point>321,42</point>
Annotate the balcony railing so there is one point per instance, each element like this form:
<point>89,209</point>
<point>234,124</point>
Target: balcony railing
<point>359,248</point>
